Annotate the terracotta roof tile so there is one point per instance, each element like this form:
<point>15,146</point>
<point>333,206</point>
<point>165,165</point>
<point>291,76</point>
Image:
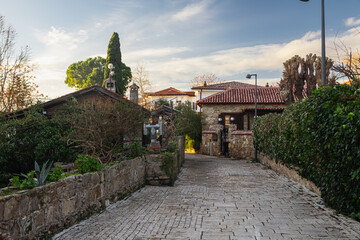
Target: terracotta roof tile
<point>208,131</point>
<point>225,85</point>
<point>244,95</point>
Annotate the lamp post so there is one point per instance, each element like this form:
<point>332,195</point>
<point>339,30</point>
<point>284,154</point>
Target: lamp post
<point>111,73</point>
<point>248,76</point>
<point>323,70</point>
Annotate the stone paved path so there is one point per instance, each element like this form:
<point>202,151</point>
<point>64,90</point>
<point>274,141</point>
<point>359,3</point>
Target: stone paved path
<point>218,199</point>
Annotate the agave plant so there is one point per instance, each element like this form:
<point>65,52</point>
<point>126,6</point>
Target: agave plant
<point>42,174</point>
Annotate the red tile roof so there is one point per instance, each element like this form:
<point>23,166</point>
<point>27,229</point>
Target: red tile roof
<point>79,93</point>
<point>241,132</point>
<point>280,108</point>
<point>244,95</point>
<point>171,92</point>
<point>208,131</point>
<point>224,86</point>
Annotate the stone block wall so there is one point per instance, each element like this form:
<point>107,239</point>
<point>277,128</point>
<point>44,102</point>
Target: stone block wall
<point>210,143</point>
<point>241,145</point>
<point>212,111</point>
<point>43,211</point>
<point>292,174</point>
<point>161,171</point>
<point>181,147</point>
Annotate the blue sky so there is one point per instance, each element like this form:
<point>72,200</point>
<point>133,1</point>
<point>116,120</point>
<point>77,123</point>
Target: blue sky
<point>177,40</point>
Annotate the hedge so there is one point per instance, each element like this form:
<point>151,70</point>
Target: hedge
<point>320,135</point>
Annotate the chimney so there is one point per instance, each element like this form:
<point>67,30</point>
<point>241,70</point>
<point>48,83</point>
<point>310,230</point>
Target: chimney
<point>134,93</point>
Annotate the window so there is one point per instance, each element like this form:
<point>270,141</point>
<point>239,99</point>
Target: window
<point>110,85</point>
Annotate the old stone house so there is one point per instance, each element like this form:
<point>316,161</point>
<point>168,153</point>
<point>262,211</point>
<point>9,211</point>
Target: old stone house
<point>229,116</point>
<point>206,90</point>
<point>94,95</point>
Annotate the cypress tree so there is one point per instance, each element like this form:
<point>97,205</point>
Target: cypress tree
<point>114,57</point>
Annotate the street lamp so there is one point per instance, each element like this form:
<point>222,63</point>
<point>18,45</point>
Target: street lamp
<point>111,73</point>
<point>248,76</point>
<point>323,70</point>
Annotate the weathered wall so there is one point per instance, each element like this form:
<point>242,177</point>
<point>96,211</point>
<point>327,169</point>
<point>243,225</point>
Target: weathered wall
<point>212,111</point>
<point>161,170</point>
<point>45,210</point>
<point>57,205</point>
<point>210,143</point>
<point>241,145</point>
<point>287,172</point>
<point>164,171</point>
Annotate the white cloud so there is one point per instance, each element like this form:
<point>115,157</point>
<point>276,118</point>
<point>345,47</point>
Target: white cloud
<point>59,37</point>
<point>232,62</point>
<point>166,66</point>
<point>154,52</point>
<point>61,48</point>
<point>191,10</point>
<point>350,22</point>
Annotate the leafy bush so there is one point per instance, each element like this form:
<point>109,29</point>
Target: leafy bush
<point>167,165</point>
<point>172,146</point>
<point>31,138</point>
<point>26,183</point>
<point>321,136</point>
<point>87,164</point>
<point>189,122</point>
<point>135,150</point>
<point>56,174</point>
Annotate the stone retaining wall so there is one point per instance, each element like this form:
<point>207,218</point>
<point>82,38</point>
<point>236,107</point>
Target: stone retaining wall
<point>210,144</point>
<point>287,172</point>
<point>241,145</point>
<point>43,211</point>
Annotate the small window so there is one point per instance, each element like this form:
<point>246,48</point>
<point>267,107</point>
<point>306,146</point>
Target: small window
<point>110,85</point>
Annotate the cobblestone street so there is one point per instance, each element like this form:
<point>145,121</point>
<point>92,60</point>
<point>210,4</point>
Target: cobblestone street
<point>218,198</point>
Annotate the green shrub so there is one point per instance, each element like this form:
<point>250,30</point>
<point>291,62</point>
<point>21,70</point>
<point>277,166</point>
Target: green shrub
<point>26,183</point>
<point>135,150</point>
<point>172,146</point>
<point>31,138</point>
<point>56,174</point>
<point>87,164</point>
<point>167,165</point>
<point>189,122</point>
<point>321,136</point>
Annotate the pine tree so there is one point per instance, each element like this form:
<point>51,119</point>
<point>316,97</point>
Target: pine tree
<point>114,57</point>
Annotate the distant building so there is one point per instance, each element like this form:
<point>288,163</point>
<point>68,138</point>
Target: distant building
<point>171,95</point>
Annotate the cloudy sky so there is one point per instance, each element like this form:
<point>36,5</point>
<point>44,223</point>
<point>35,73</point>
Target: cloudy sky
<point>177,40</point>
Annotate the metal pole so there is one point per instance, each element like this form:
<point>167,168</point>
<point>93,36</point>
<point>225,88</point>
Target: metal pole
<point>110,80</point>
<point>255,96</point>
<point>323,70</point>
<point>255,114</point>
